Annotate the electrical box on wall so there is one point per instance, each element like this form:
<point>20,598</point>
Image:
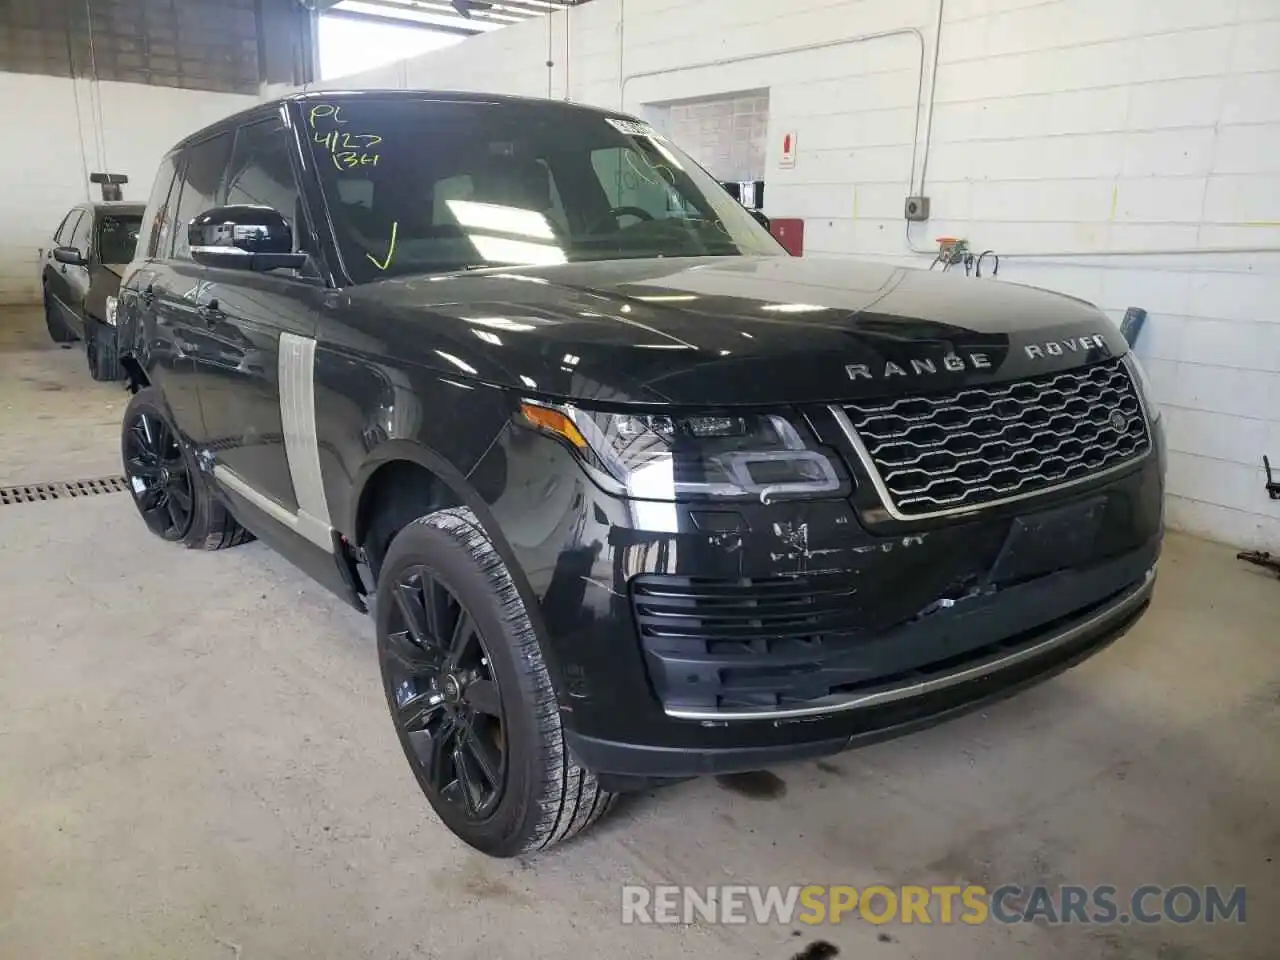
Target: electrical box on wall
<point>916,209</point>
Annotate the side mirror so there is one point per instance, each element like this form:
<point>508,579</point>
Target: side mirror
<point>70,256</point>
<point>243,238</point>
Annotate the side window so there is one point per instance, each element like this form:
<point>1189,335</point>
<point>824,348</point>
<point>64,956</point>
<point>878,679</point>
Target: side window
<point>69,227</point>
<point>63,233</point>
<point>206,164</point>
<point>80,235</point>
<point>261,173</point>
<point>156,221</point>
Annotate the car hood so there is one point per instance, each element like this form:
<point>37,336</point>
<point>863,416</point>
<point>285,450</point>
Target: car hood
<point>727,331</point>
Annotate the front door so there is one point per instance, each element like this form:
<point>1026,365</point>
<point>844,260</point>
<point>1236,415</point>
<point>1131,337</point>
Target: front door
<point>177,293</point>
<point>69,282</point>
<point>255,366</point>
<point>255,359</point>
<point>55,279</point>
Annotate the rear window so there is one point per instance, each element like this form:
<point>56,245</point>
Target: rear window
<point>118,237</point>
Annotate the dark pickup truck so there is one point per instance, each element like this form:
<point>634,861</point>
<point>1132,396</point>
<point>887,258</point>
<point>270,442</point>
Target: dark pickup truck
<point>631,495</point>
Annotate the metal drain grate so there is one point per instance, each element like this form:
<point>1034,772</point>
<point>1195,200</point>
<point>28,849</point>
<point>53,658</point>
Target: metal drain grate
<point>62,490</point>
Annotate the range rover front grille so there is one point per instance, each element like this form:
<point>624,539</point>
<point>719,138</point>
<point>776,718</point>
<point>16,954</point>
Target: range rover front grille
<point>949,452</point>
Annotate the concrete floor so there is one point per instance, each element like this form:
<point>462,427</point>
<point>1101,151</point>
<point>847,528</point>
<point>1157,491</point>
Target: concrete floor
<point>196,762</point>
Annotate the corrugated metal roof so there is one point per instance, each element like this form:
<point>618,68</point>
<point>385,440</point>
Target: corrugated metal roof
<point>466,17</point>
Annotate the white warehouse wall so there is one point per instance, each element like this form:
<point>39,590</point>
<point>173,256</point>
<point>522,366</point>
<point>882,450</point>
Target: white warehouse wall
<point>1094,132</point>
<point>126,128</point>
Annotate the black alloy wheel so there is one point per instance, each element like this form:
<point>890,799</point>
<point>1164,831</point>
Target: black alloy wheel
<point>158,475</point>
<point>440,678</point>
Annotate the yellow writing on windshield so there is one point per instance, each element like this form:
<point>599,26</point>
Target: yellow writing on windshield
<point>391,250</point>
<point>348,151</point>
<point>322,110</point>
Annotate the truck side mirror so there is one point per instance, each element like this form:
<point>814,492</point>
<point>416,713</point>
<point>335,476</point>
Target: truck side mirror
<point>71,256</point>
<point>243,238</point>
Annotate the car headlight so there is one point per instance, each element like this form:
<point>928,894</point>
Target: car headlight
<point>113,308</point>
<point>1144,385</point>
<point>712,456</point>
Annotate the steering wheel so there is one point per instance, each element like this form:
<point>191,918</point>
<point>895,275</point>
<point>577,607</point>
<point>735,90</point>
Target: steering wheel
<point>616,212</point>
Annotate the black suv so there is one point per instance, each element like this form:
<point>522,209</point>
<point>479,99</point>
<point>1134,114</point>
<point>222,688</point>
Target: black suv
<point>80,274</point>
<point>631,495</point>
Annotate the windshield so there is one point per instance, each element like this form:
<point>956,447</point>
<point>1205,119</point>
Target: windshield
<point>117,236</point>
<point>435,185</point>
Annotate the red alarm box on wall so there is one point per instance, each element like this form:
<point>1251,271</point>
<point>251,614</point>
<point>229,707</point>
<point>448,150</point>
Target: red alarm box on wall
<point>789,233</point>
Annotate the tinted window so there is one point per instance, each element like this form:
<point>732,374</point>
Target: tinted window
<point>117,237</point>
<point>436,185</point>
<point>80,235</point>
<point>155,224</point>
<point>261,173</point>
<point>206,164</point>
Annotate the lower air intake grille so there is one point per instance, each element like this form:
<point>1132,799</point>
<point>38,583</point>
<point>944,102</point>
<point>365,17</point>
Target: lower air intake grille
<point>962,449</point>
<point>745,643</point>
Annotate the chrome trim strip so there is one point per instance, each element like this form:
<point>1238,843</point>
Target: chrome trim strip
<point>230,251</point>
<point>906,691</point>
<point>321,534</point>
<point>298,421</point>
<point>886,498</point>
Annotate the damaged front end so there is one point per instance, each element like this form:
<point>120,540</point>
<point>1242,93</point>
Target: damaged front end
<point>696,636</point>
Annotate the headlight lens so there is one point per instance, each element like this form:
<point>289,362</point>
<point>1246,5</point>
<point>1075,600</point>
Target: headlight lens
<point>1144,385</point>
<point>113,308</point>
<point>716,456</point>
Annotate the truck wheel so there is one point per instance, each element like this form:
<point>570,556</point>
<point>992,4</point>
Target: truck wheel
<point>59,332</point>
<point>470,695</point>
<point>101,350</point>
<point>171,494</point>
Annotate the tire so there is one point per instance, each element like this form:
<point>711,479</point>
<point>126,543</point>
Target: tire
<point>171,494</point>
<point>544,797</point>
<point>59,332</point>
<point>102,351</point>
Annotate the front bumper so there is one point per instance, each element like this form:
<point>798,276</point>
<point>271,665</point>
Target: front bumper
<point>887,710</point>
<point>925,620</point>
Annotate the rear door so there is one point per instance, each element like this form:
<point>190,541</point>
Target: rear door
<point>260,329</point>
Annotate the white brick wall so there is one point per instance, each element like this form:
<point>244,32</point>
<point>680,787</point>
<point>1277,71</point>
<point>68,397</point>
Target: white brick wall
<point>44,176</point>
<point>728,135</point>
<point>1059,125</point>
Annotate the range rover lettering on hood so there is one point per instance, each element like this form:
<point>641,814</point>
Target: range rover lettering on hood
<point>961,362</point>
<point>1056,348</point>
